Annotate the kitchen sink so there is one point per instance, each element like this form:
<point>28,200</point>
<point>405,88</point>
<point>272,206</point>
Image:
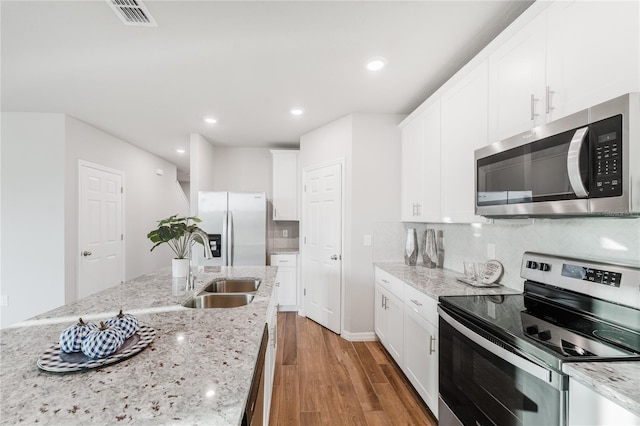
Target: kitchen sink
<point>213,300</point>
<point>232,285</point>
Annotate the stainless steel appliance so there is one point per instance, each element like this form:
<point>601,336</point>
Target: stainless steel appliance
<point>587,163</point>
<point>236,223</point>
<point>501,357</point>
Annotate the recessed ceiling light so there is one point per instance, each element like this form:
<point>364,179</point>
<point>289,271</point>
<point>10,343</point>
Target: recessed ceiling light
<point>180,151</point>
<point>210,120</point>
<point>297,111</point>
<point>376,64</point>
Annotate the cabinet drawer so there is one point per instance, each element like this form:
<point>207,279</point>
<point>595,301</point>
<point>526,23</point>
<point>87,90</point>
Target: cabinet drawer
<point>284,260</point>
<point>422,304</point>
<point>391,283</point>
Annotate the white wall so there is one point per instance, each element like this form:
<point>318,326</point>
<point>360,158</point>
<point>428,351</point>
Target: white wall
<point>33,226</point>
<point>242,170</point>
<point>40,204</point>
<point>375,197</point>
<point>147,197</point>
<point>201,159</point>
<point>370,146</point>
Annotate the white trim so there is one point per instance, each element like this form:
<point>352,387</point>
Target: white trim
<point>342,162</point>
<point>184,195</point>
<point>84,163</point>
<point>367,336</point>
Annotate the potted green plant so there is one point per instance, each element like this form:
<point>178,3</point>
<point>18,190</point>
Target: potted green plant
<point>175,231</point>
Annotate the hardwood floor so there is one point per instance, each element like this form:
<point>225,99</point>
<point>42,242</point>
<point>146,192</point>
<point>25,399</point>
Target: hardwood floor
<point>322,379</point>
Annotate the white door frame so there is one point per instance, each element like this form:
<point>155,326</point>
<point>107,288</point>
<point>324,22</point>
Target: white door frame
<point>342,162</point>
<point>84,163</point>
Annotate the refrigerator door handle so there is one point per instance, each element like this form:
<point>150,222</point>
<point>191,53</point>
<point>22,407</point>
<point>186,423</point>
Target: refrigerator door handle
<point>225,239</point>
<point>230,239</point>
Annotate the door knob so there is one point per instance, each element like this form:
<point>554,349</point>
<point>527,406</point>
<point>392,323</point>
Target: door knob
<point>334,257</point>
<point>86,253</point>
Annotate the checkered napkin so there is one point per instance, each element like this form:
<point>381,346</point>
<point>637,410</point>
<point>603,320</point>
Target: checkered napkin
<point>126,322</point>
<point>102,342</point>
<point>71,338</point>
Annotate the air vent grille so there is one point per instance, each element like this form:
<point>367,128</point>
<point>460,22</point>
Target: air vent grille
<point>132,12</point>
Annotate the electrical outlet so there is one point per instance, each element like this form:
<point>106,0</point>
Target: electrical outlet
<point>367,240</point>
<point>4,301</point>
<point>285,233</point>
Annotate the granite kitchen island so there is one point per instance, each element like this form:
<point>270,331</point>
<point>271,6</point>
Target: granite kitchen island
<point>197,370</point>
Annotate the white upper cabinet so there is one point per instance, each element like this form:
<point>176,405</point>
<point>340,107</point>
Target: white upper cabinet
<point>593,53</point>
<point>517,80</point>
<point>571,56</point>
<point>421,167</point>
<point>285,184</point>
<point>464,129</point>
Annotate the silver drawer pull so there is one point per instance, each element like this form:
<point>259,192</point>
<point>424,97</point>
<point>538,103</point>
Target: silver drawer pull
<point>385,281</point>
<point>416,302</point>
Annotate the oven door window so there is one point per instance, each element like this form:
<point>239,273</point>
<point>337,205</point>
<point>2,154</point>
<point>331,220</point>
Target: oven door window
<point>483,389</point>
<point>530,173</point>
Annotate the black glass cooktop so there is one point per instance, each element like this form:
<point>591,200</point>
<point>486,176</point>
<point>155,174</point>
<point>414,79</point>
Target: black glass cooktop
<point>555,326</point>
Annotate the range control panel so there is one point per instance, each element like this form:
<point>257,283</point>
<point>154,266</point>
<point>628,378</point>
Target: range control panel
<point>606,281</point>
<point>598,276</point>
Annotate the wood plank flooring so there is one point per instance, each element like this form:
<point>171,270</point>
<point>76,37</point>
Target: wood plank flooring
<point>322,379</point>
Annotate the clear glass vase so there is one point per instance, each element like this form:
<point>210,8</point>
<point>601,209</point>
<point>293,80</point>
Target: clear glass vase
<point>430,249</point>
<point>411,247</point>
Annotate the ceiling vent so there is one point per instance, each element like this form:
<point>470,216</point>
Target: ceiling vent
<point>132,12</point>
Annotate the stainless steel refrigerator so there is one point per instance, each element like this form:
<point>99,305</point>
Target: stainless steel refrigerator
<point>236,223</point>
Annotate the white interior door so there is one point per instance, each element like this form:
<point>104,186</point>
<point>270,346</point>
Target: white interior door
<point>322,245</point>
<point>100,222</point>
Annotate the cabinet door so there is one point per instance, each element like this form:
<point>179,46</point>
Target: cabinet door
<point>381,315</point>
<point>412,153</point>
<point>586,407</point>
<point>429,210</point>
<point>593,53</point>
<point>287,282</point>
<point>285,185</point>
<point>464,129</point>
<point>395,334</point>
<point>421,357</point>
<point>517,71</point>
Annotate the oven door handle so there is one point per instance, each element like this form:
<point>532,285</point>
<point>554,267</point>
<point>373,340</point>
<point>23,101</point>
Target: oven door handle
<point>513,359</point>
<point>573,162</point>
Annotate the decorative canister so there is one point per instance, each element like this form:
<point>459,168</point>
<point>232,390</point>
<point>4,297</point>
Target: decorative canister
<point>411,247</point>
<point>430,250</point>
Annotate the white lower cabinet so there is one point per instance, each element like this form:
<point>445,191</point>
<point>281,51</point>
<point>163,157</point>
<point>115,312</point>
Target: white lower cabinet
<point>587,407</point>
<point>286,280</point>
<point>406,324</point>
<point>389,322</point>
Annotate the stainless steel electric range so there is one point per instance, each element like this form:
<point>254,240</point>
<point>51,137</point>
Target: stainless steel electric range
<point>501,357</point>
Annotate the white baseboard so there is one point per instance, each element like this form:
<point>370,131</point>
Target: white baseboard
<point>288,308</point>
<point>359,337</point>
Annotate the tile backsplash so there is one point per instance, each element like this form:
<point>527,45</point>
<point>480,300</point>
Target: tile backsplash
<point>604,239</point>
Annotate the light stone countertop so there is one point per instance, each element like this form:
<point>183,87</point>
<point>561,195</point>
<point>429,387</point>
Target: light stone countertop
<point>285,251</point>
<point>617,381</point>
<point>197,370</point>
<point>437,282</point>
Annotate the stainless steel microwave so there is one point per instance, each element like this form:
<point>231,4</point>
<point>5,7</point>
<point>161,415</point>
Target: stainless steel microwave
<point>587,163</point>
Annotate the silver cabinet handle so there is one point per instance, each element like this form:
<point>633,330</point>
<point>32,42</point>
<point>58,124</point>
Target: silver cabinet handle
<point>533,107</point>
<point>573,162</point>
<point>432,346</point>
<point>385,281</point>
<point>415,302</point>
<point>549,94</point>
<point>86,253</point>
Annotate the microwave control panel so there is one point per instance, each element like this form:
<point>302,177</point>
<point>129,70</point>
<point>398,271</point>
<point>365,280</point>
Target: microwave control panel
<point>607,150</point>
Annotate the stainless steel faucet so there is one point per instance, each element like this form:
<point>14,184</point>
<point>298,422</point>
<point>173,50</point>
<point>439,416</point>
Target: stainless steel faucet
<point>207,254</point>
